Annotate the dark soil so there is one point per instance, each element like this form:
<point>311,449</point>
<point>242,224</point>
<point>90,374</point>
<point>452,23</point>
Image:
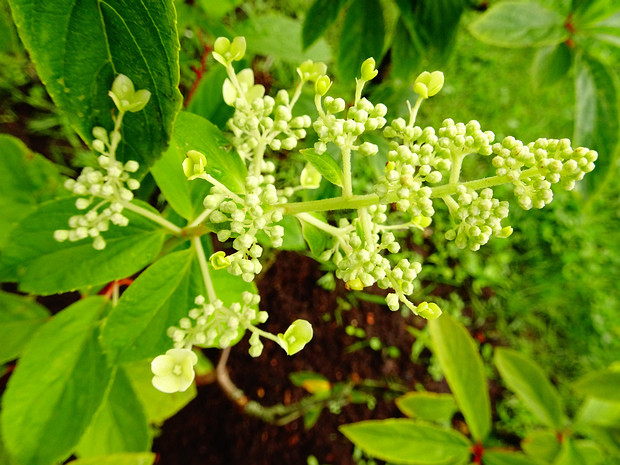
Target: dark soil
<point>212,430</point>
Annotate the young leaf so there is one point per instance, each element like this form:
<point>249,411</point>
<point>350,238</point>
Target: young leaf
<point>26,179</point>
<point>325,164</point>
<point>428,406</point>
<point>45,266</point>
<point>317,239</point>
<point>527,380</point>
<point>404,441</point>
<point>596,111</point>
<point>120,424</point>
<point>80,47</point>
<point>20,317</point>
<point>362,36</point>
<point>603,385</point>
<point>519,24</point>
<point>320,15</point>
<point>192,132</point>
<point>144,458</point>
<point>57,386</point>
<point>493,457</point>
<point>463,368</point>
<point>551,64</point>
<point>542,444</point>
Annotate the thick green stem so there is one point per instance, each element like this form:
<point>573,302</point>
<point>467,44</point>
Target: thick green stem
<point>173,228</point>
<point>347,186</point>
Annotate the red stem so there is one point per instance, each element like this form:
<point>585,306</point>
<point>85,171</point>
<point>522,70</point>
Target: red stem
<point>199,71</point>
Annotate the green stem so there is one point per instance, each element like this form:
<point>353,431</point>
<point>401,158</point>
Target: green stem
<point>366,227</point>
<point>200,218</point>
<point>216,183</point>
<point>451,204</point>
<point>359,86</point>
<point>173,228</point>
<point>204,268</point>
<point>347,187</point>
<point>117,129</point>
<point>455,169</point>
<point>413,112</point>
<point>296,95</point>
<point>336,232</point>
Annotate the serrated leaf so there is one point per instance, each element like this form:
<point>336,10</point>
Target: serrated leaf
<point>158,406</point>
<point>404,441</point>
<point>317,239</point>
<point>325,165</point>
<point>519,24</point>
<point>463,368</point>
<point>596,112</point>
<point>57,386</point>
<point>279,37</point>
<point>78,49</point>
<point>542,444</point>
<point>145,458</point>
<point>320,15</point>
<point>120,424</point>
<point>192,132</point>
<point>527,380</point>
<point>26,180</point>
<point>551,64</point>
<point>362,37</point>
<point>603,385</point>
<point>492,457</point>
<point>45,266</point>
<point>20,317</point>
<point>428,406</point>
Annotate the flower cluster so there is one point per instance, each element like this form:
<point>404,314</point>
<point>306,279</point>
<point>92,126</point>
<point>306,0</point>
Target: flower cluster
<point>533,168</point>
<point>111,186</point>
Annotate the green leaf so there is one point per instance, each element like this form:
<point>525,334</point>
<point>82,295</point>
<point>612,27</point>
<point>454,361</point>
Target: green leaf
<point>599,412</point>
<point>542,444</point>
<point>463,368</point>
<point>404,441</point>
<point>158,406</point>
<point>569,455</point>
<point>603,385</point>
<point>207,101</point>
<point>362,36</point>
<point>57,386</point>
<point>5,458</point>
<point>26,180</point>
<point>136,328</point>
<point>320,15</point>
<point>218,8</point>
<point>192,132</point>
<point>145,458</point>
<point>519,24</point>
<point>44,266</point>
<point>527,380</point>
<point>184,196</point>
<point>317,239</point>
<point>78,49</point>
<point>428,406</point>
<point>596,112</point>
<point>325,165</point>
<point>20,317</point>
<point>120,425</point>
<point>492,457</point>
<point>280,37</point>
<point>405,55</point>
<point>589,13</point>
<point>551,64</point>
<point>591,452</point>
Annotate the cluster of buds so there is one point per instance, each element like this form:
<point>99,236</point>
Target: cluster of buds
<point>533,168</point>
<point>458,139</point>
<point>111,186</point>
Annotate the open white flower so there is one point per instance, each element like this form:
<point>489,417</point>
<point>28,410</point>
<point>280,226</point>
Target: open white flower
<point>174,371</point>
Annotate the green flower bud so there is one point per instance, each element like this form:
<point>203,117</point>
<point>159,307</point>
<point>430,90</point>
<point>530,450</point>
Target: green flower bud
<point>427,310</point>
<point>194,164</point>
<point>428,84</point>
<point>219,260</point>
<point>310,177</point>
<point>367,149</point>
<point>226,52</point>
<point>310,71</point>
<point>322,85</point>
<point>125,97</point>
<point>368,69</point>
<point>296,336</point>
<point>355,284</point>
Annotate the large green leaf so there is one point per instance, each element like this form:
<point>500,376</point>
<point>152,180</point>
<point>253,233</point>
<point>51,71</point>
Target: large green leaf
<point>192,132</point>
<point>320,15</point>
<point>529,382</point>
<point>604,385</point>
<point>597,124</point>
<point>599,412</point>
<point>492,457</point>
<point>207,100</point>
<point>78,48</point>
<point>20,317</point>
<point>404,441</point>
<point>362,36</point>
<point>542,444</point>
<point>463,368</point>
<point>26,179</point>
<point>551,64</point>
<point>428,406</point>
<point>57,386</point>
<point>43,265</point>
<point>120,424</point>
<point>145,458</point>
<point>519,24</point>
